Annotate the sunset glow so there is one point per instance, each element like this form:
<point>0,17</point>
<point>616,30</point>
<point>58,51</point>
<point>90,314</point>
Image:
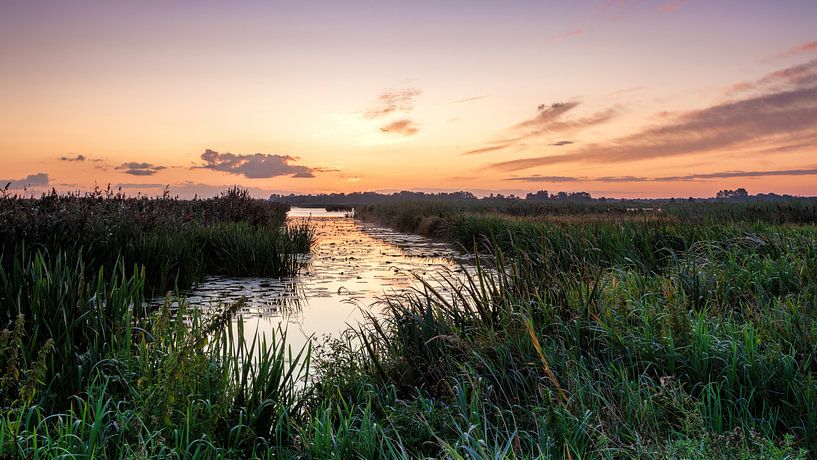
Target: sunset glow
<point>620,98</point>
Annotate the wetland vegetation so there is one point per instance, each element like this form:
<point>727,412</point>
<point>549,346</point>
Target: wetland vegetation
<point>580,330</point>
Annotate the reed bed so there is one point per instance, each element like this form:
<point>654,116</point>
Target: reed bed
<point>176,241</point>
<point>687,337</point>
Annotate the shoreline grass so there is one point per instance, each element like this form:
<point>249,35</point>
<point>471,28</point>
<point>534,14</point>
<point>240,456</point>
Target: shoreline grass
<point>628,338</point>
<point>176,241</point>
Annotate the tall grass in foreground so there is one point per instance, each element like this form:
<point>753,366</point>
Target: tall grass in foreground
<point>610,340</point>
<point>710,353</point>
<point>88,372</point>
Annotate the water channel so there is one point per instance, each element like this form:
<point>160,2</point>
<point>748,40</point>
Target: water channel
<point>353,264</point>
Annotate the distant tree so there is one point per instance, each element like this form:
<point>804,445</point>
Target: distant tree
<point>541,195</point>
<point>580,196</point>
<point>726,194</point>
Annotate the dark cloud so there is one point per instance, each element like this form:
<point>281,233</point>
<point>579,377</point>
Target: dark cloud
<point>76,158</point>
<point>394,101</point>
<point>32,180</point>
<point>775,116</point>
<point>689,177</point>
<point>81,158</point>
<point>257,165</point>
<point>561,143</point>
<point>405,127</point>
<point>139,169</point>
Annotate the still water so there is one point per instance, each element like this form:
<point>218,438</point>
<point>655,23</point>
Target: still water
<point>352,265</point>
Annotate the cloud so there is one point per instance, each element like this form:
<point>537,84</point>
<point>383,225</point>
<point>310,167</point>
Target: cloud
<point>139,169</point>
<point>812,171</point>
<point>393,101</point>
<point>538,178</point>
<point>775,116</point>
<point>549,119</point>
<point>671,5</point>
<point>564,35</point>
<point>488,149</point>
<point>631,89</point>
<point>257,165</point>
<point>802,48</point>
<point>791,77</point>
<point>578,124</point>
<point>469,99</point>
<point>547,114</point>
<point>80,158</point>
<point>405,127</point>
<point>32,180</point>
<point>76,158</point>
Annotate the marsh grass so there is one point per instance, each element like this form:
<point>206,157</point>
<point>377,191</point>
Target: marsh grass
<point>568,339</point>
<point>176,241</point>
<point>113,383</point>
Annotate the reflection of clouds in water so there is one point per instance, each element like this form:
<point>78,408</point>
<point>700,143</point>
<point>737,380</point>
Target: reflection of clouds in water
<point>352,265</point>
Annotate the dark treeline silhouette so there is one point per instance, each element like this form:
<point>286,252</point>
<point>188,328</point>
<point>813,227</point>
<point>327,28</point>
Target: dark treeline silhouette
<point>344,200</point>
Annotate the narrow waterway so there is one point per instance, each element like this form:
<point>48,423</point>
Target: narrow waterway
<point>352,265</point>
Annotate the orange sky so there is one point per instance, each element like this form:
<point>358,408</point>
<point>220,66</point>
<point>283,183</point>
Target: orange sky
<point>618,98</point>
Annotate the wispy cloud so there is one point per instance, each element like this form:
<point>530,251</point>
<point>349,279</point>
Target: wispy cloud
<point>489,149</point>
<point>771,116</point>
<point>546,114</point>
<point>671,6</point>
<point>257,165</point>
<point>566,34</point>
<point>393,101</point>
<point>550,179</point>
<point>811,171</point>
<point>549,120</point>
<point>802,48</point>
<point>32,180</point>
<point>794,76</point>
<point>469,99</point>
<point>404,127</point>
<point>140,169</point>
<point>631,89</point>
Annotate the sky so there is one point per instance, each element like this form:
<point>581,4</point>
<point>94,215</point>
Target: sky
<point>619,98</point>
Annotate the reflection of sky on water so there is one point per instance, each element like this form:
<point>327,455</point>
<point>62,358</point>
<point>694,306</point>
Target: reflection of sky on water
<point>351,265</point>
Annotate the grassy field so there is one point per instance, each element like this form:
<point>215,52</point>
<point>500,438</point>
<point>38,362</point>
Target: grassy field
<point>584,333</point>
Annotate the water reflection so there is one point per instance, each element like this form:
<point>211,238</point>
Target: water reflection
<point>352,265</point>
